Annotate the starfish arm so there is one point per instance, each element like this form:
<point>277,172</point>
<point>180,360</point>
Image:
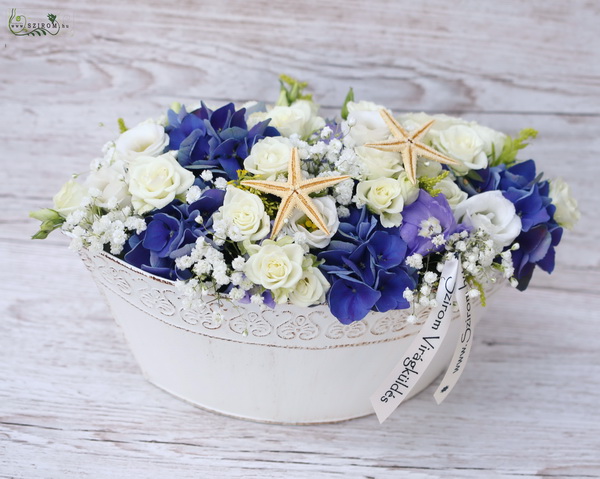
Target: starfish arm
<point>317,184</point>
<point>428,152</point>
<point>285,210</point>
<point>308,207</point>
<point>276,188</point>
<point>395,127</point>
<point>409,157</point>
<point>394,145</point>
<point>294,170</point>
<point>420,133</point>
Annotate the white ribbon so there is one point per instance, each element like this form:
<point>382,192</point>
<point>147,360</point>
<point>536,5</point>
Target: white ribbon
<point>418,357</point>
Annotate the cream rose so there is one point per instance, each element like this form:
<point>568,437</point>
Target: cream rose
<point>275,267</point>
<point>310,289</point>
<point>377,163</point>
<point>146,139</point>
<point>299,118</point>
<point>567,212</point>
<point>69,198</point>
<point>452,192</point>
<point>269,157</point>
<point>494,214</point>
<point>155,181</point>
<point>110,180</point>
<point>462,143</point>
<point>317,238</point>
<point>245,212</point>
<point>383,197</point>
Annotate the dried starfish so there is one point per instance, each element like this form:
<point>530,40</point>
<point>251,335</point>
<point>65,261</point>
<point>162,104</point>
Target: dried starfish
<point>409,145</point>
<point>294,193</point>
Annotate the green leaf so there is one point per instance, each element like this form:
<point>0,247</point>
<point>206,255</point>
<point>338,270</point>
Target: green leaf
<point>122,127</point>
<point>44,214</point>
<point>349,98</point>
<point>512,147</point>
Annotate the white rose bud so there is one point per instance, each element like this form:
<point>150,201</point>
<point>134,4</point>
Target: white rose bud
<point>145,139</point>
<point>275,267</point>
<point>269,157</point>
<point>299,118</point>
<point>452,192</point>
<point>567,212</point>
<point>310,289</point>
<point>155,181</point>
<point>494,214</point>
<point>69,198</point>
<point>383,197</point>
<point>245,211</point>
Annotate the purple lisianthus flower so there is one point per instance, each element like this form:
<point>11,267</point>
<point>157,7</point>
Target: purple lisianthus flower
<point>217,140</point>
<point>365,265</point>
<point>171,232</point>
<point>427,211</point>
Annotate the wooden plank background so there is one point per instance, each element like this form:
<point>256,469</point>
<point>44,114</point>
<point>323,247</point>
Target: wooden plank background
<point>72,402</point>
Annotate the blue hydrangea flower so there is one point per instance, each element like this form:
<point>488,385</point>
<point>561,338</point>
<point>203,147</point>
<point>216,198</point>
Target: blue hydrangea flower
<point>522,185</point>
<point>171,232</point>
<point>365,265</point>
<point>217,140</point>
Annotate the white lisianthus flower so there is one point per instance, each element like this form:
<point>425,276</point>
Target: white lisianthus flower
<point>364,123</point>
<point>299,118</point>
<point>452,192</point>
<point>275,267</point>
<point>310,289</point>
<point>245,212</point>
<point>493,141</point>
<point>567,212</point>
<point>269,157</point>
<point>111,181</point>
<point>492,213</point>
<point>462,143</point>
<point>377,163</point>
<point>69,197</point>
<point>383,197</point>
<point>146,139</point>
<point>155,181</point>
<point>316,238</point>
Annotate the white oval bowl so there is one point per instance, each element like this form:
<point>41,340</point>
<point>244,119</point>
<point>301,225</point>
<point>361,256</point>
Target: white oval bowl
<point>292,365</point>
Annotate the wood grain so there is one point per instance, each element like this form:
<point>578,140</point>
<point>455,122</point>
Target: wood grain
<point>72,401</point>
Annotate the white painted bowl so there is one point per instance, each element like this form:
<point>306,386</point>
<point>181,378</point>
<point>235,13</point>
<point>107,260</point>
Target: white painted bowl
<point>290,365</point>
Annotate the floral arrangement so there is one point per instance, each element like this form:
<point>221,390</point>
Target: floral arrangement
<point>276,204</point>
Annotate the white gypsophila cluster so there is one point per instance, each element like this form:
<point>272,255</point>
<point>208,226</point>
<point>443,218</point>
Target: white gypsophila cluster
<point>90,229</point>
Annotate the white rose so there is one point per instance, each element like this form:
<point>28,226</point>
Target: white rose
<point>462,143</point>
<point>410,192</point>
<point>69,198</point>
<point>310,289</point>
<point>327,207</point>
<point>299,118</point>
<point>275,267</point>
<point>413,121</point>
<point>377,163</point>
<point>363,105</point>
<point>145,139</point>
<point>452,192</point>
<point>383,197</point>
<point>567,212</point>
<point>246,212</point>
<point>155,181</point>
<point>269,157</point>
<point>494,214</point>
<point>110,180</point>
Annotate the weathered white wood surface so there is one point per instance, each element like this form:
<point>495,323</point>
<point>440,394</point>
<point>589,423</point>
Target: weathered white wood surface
<point>72,402</point>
